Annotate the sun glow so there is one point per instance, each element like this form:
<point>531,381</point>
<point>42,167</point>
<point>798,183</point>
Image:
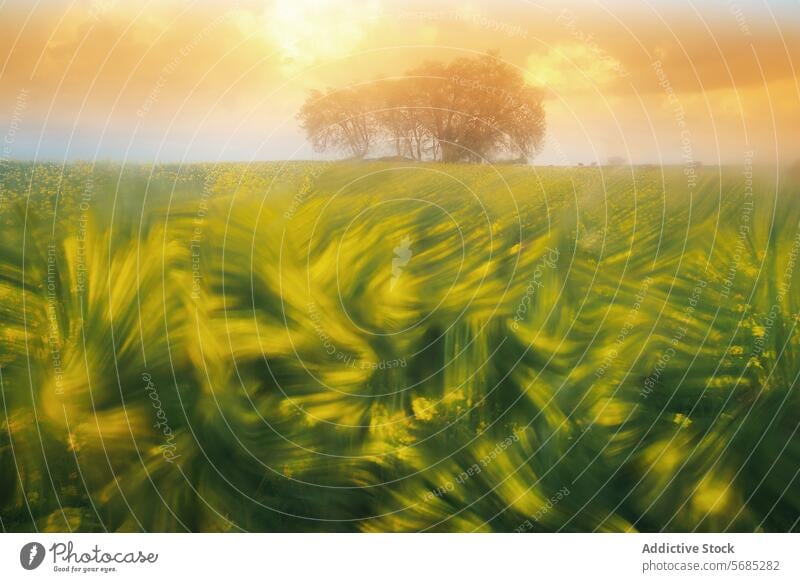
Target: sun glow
<point>308,31</point>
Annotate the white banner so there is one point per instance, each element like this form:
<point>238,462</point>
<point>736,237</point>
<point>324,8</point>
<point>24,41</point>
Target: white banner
<point>401,557</point>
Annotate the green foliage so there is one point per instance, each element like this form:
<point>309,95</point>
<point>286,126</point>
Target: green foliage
<point>375,346</point>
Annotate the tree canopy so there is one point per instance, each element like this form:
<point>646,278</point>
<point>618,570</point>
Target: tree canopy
<point>473,109</point>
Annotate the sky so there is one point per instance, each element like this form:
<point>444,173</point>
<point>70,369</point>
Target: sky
<point>650,81</point>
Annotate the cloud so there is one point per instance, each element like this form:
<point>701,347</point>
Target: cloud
<point>573,67</point>
<point>122,67</point>
<point>308,31</point>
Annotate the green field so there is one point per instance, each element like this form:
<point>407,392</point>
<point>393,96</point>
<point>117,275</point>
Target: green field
<point>385,346</point>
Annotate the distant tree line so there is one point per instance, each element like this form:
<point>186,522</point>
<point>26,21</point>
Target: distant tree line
<point>470,110</point>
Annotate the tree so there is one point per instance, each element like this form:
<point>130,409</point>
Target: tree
<point>398,115</point>
<point>485,108</point>
<point>473,109</point>
<point>338,119</point>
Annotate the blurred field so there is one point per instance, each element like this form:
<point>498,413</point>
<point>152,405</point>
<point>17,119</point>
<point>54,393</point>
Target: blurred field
<point>383,346</point>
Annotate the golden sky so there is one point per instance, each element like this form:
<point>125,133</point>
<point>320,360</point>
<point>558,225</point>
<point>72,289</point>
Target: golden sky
<point>659,81</point>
